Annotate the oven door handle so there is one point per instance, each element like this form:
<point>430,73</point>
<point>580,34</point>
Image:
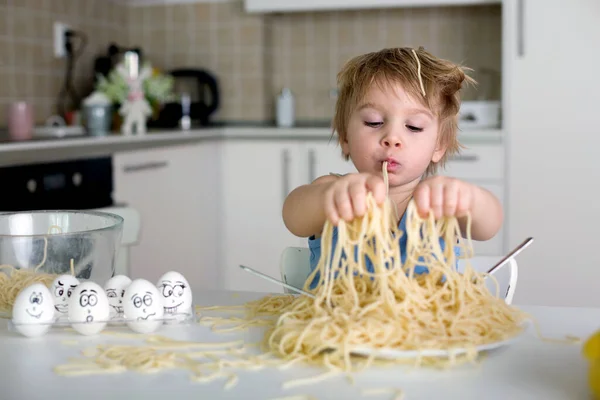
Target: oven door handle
<point>145,166</point>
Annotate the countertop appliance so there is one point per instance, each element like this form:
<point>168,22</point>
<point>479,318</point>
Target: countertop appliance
<point>103,64</point>
<point>198,90</point>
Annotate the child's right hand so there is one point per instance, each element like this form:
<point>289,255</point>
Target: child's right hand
<point>346,197</point>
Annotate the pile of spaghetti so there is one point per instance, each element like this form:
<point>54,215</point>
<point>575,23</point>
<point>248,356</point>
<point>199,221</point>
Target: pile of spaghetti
<point>390,307</point>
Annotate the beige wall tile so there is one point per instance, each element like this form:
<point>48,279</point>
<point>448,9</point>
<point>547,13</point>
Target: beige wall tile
<point>251,36</point>
<point>5,78</point>
<point>6,48</point>
<point>28,69</point>
<point>3,20</point>
<point>226,37</point>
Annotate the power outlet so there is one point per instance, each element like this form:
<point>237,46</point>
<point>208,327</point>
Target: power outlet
<point>60,39</point>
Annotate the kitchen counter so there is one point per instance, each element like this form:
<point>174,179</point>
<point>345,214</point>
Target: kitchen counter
<point>39,151</point>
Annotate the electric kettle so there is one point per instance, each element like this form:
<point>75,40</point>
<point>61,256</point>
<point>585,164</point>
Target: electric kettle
<point>201,87</point>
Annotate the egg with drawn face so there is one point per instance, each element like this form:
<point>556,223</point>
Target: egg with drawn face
<point>88,308</point>
<point>176,293</point>
<point>143,306</point>
<point>115,289</point>
<point>61,289</point>
<point>33,310</point>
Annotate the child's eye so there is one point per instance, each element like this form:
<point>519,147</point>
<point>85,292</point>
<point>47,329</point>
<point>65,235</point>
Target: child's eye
<point>414,128</point>
<point>373,124</point>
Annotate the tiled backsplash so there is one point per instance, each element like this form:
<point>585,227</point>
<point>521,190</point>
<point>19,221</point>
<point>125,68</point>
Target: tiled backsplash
<point>253,56</point>
<point>309,49</point>
<point>28,69</point>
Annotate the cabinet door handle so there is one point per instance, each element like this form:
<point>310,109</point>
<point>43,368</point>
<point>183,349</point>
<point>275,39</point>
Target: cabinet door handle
<point>521,28</point>
<point>145,166</point>
<point>285,168</point>
<point>465,157</point>
<point>312,165</point>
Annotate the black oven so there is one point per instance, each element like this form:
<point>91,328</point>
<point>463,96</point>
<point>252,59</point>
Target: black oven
<point>65,185</point>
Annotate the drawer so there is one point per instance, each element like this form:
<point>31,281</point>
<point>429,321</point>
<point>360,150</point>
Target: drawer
<point>477,162</point>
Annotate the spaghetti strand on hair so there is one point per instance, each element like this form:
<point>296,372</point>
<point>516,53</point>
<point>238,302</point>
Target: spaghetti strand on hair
<point>419,73</point>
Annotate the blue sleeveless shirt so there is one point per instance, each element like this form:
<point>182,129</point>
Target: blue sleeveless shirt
<point>314,245</point>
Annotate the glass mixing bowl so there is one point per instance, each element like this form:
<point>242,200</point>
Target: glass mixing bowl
<point>51,239</point>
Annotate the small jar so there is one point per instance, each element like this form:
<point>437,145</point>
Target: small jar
<point>285,108</point>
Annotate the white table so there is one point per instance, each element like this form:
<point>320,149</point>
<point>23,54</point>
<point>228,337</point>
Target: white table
<point>527,369</point>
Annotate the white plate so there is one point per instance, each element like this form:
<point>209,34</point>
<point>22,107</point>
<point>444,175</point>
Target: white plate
<point>391,354</point>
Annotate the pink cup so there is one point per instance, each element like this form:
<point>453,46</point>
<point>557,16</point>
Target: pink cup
<point>20,121</point>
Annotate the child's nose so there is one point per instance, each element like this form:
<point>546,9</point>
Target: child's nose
<point>392,142</point>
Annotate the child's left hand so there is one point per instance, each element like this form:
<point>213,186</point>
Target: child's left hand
<point>444,196</point>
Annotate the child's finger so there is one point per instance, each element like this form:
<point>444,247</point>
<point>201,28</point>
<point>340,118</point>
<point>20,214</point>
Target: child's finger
<point>464,203</point>
<point>343,204</point>
<point>450,201</point>
<point>330,210</point>
<point>357,192</point>
<point>422,200</point>
<point>437,200</point>
<point>377,186</point>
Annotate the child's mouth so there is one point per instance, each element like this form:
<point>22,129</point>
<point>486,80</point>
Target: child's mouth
<point>392,165</point>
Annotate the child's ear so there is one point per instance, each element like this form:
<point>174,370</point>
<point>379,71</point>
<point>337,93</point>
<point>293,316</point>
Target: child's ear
<point>440,150</point>
<point>345,147</point>
<point>438,153</point>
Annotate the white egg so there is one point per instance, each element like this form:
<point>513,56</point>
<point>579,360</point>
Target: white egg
<point>88,308</point>
<point>176,293</point>
<point>115,289</point>
<point>61,289</point>
<point>143,306</point>
<point>33,310</point>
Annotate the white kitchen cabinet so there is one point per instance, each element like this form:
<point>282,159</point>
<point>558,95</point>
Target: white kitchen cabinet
<point>175,191</point>
<point>550,106</point>
<point>268,6</point>
<point>323,158</point>
<point>256,177</point>
<point>477,163</point>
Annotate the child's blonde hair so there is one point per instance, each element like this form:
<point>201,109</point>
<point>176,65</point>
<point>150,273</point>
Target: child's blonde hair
<point>440,79</point>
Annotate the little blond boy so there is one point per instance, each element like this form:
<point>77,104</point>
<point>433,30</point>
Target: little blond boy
<point>398,105</point>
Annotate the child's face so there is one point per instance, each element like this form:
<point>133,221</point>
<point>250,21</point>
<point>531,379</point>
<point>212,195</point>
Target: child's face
<point>390,126</point>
